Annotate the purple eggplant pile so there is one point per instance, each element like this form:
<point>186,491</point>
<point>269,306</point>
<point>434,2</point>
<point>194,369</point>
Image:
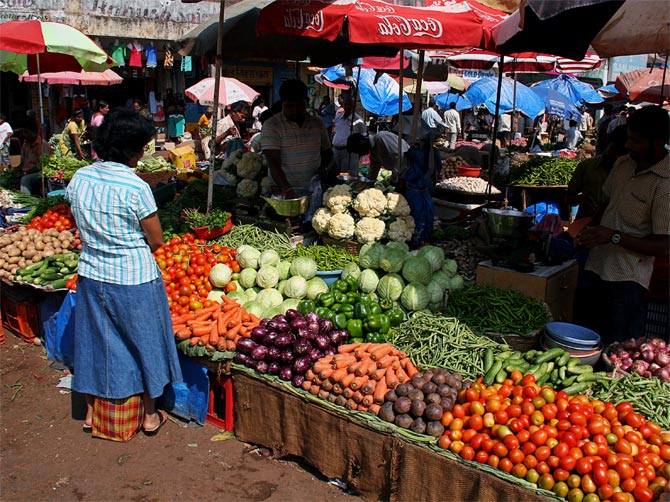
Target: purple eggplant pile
<point>648,357</point>
<point>287,345</point>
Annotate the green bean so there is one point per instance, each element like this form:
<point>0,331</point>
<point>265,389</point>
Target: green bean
<point>258,238</point>
<point>544,171</point>
<point>436,341</point>
<point>326,257</point>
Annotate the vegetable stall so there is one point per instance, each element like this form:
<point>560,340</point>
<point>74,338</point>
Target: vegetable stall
<point>379,364</point>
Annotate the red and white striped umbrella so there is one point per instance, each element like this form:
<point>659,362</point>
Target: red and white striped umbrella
<point>590,62</point>
<point>231,91</point>
<point>478,59</point>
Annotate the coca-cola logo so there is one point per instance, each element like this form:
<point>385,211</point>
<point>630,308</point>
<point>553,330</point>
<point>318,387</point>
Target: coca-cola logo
<point>378,8</point>
<point>298,19</point>
<point>390,26</point>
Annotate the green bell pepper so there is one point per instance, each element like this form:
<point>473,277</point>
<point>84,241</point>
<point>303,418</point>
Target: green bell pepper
<point>322,312</point>
<point>385,303</point>
<point>374,308</point>
<point>396,316</point>
<point>325,299</point>
<point>375,338</point>
<point>340,285</point>
<point>366,298</point>
<point>339,297</point>
<point>352,297</point>
<point>347,308</point>
<point>385,323</point>
<point>340,321</point>
<point>355,328</point>
<point>352,283</point>
<point>306,306</point>
<point>373,323</point>
<point>361,311</point>
<point>336,308</point>
<point>356,340</point>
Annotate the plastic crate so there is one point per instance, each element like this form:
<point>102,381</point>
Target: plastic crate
<point>220,405</point>
<point>19,317</point>
<point>658,320</point>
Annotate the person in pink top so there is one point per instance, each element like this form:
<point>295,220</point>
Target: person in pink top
<point>96,121</point>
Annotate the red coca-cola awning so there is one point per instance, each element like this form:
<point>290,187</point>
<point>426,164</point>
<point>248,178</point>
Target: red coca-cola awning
<point>374,22</point>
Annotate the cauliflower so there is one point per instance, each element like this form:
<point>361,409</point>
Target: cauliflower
<point>409,221</point>
<point>250,165</point>
<point>232,159</point>
<point>399,231</point>
<point>397,204</point>
<point>266,186</point>
<point>341,226</point>
<point>321,219</point>
<point>370,230</point>
<point>227,177</point>
<point>247,188</point>
<point>370,202</point>
<point>337,198</point>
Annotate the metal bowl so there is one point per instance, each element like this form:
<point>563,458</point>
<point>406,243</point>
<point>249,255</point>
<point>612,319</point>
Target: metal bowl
<point>290,207</point>
<point>507,223</point>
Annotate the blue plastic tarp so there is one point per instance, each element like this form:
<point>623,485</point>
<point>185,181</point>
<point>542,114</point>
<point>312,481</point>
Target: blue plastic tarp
<point>557,104</point>
<point>484,92</point>
<point>444,100</point>
<point>575,90</point>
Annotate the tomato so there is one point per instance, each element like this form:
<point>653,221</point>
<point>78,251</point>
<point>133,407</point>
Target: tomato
<point>624,470</point>
<point>506,465</point>
<point>624,407</point>
<point>494,461</point>
<point>481,457</point>
<point>457,446</point>
<point>519,470</point>
<point>549,411</point>
<point>588,486</point>
<point>605,492</point>
<point>578,418</point>
<point>501,417</point>
<point>468,434</point>
<point>195,305</point>
<point>575,495</point>
<point>543,453</point>
<point>458,411</point>
<point>532,476</point>
<point>628,485</point>
<point>468,453</point>
<point>600,474</point>
<point>477,408</point>
<point>623,446</point>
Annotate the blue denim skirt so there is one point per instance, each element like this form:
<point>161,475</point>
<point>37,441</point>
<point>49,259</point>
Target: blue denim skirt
<point>123,340</point>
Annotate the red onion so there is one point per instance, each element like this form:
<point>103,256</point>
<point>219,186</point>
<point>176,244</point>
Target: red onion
<point>662,359</point>
<point>630,344</point>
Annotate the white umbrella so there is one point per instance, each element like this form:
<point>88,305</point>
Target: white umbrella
<point>231,90</point>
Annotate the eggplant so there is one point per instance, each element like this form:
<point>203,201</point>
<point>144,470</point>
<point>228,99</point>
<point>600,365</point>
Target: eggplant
<point>305,333</point>
<point>278,326</point>
<point>240,358</point>
<point>301,347</point>
<point>284,340</point>
<point>274,368</point>
<point>322,342</point>
<point>311,317</point>
<point>301,365</point>
<point>298,380</point>
<point>264,323</point>
<point>251,363</point>
<point>258,333</point>
<point>273,353</point>
<point>330,351</point>
<point>259,353</point>
<point>262,367</point>
<point>287,356</point>
<point>435,429</point>
<point>246,345</point>
<point>325,326</point>
<point>434,411</point>
<point>298,323</point>
<point>269,339</point>
<point>315,354</point>
<point>279,318</point>
<point>313,327</point>
<point>286,373</point>
<point>292,314</point>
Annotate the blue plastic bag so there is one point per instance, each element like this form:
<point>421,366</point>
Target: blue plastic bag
<point>541,209</point>
<point>59,333</point>
<point>188,399</point>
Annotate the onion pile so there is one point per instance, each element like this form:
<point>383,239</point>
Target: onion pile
<point>287,345</point>
<point>646,357</point>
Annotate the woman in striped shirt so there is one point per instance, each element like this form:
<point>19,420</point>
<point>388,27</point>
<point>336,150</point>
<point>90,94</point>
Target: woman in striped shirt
<point>123,339</point>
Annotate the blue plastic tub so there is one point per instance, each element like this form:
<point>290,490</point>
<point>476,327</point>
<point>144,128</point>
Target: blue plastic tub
<point>572,335</point>
<point>329,276</point>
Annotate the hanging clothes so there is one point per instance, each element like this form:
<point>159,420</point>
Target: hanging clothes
<point>150,53</point>
<point>176,125</point>
<point>118,53</point>
<point>186,63</point>
<point>135,49</point>
<point>152,102</point>
<point>169,58</point>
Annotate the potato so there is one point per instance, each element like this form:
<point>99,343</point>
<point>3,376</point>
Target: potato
<point>13,251</point>
<point>66,244</point>
<point>39,245</point>
<point>21,245</point>
<point>14,259</point>
<point>65,235</point>
<point>47,253</point>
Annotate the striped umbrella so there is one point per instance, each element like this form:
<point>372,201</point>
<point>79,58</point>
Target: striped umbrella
<point>590,62</point>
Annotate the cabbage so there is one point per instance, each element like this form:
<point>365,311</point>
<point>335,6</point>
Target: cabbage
<point>281,286</point>
<point>315,286</point>
<point>267,277</point>
<point>368,257</point>
<point>251,293</point>
<point>456,282</point>
<point>417,269</point>
<point>391,260</point>
<point>434,255</point>
<point>450,267</point>
<point>255,307</point>
<point>402,246</point>
<point>296,287</point>
<point>269,257</point>
<point>441,278</point>
<point>237,295</point>
<point>248,258</point>
<point>435,292</point>
<point>247,278</point>
<point>216,295</point>
<point>290,303</point>
<point>269,297</point>
<point>435,307</point>
<point>390,286</point>
<point>304,267</point>
<point>272,311</point>
<point>220,275</point>
<point>242,248</point>
<point>284,269</point>
<point>414,297</point>
<point>368,280</point>
<point>351,269</point>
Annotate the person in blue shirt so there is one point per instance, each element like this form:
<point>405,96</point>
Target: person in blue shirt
<point>327,114</point>
<point>123,337</point>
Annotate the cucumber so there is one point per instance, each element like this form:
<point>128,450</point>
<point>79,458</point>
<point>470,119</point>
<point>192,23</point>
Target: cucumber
<point>64,270</point>
<point>549,355</point>
<point>530,355</point>
<point>51,277</point>
<point>37,280</point>
<point>578,370</point>
<point>554,375</point>
<point>71,264</point>
<point>591,377</point>
<point>488,359</point>
<point>500,376</point>
<point>550,366</point>
<point>543,379</point>
<point>573,361</point>
<point>561,373</point>
<point>569,381</point>
<point>577,388</point>
<point>490,376</point>
<point>59,284</point>
<point>522,368</point>
<point>563,360</point>
<point>503,355</point>
<point>34,266</point>
<point>515,362</point>
<point>47,271</point>
<point>541,371</point>
<point>69,276</point>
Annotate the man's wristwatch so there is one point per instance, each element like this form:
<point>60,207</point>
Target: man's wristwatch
<point>616,238</point>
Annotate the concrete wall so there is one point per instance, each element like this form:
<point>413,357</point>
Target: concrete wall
<point>141,19</point>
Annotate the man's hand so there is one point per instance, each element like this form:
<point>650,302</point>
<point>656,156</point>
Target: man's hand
<point>594,236</point>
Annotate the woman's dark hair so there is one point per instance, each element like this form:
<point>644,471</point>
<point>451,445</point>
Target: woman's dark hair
<point>122,135</point>
<point>239,106</point>
<point>101,104</point>
<point>652,122</point>
<point>77,112</point>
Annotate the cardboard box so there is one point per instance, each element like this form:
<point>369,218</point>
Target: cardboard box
<point>183,157</point>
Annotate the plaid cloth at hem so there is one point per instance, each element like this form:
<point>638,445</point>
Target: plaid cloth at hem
<point>117,419</point>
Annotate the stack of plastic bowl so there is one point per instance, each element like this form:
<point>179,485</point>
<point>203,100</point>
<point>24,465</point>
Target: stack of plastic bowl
<point>579,341</point>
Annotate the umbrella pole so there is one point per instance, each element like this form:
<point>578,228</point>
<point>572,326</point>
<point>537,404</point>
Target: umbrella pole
<point>400,116</point>
<point>39,87</point>
<point>665,69</point>
<point>351,124</point>
<point>215,116</point>
<point>496,123</point>
<point>417,95</point>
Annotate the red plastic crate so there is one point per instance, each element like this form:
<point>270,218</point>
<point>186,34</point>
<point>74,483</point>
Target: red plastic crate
<point>19,317</point>
<point>220,405</point>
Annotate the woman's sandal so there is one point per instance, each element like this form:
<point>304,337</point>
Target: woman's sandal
<point>154,431</point>
<point>88,429</point>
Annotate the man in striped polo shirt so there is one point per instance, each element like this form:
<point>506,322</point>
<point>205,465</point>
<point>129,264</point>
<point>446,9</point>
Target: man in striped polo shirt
<point>295,144</point>
<point>634,227</point>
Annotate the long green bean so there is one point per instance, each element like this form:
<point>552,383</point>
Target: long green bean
<point>326,257</point>
<point>445,342</point>
<point>544,171</point>
<point>258,238</point>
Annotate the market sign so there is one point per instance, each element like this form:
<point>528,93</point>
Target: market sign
<point>472,75</point>
<point>251,75</point>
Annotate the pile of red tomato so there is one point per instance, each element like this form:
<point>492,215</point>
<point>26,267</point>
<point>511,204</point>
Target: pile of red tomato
<point>185,263</point>
<point>58,217</point>
<point>586,451</point>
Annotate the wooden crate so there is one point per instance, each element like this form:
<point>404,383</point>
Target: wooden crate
<point>352,246</point>
<point>19,316</point>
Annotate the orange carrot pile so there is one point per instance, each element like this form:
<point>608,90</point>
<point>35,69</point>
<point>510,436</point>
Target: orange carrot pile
<point>217,327</point>
<point>360,375</point>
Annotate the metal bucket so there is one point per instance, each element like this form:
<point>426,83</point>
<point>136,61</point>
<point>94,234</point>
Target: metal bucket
<point>290,207</point>
<point>507,223</point>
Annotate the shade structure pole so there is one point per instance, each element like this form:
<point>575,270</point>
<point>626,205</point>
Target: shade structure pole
<point>417,95</point>
<point>215,116</point>
<point>353,115</point>
<point>400,116</point>
<point>39,87</point>
<point>665,69</point>
<point>496,124</point>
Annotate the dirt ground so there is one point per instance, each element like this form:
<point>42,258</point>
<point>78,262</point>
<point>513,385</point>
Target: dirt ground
<point>44,455</point>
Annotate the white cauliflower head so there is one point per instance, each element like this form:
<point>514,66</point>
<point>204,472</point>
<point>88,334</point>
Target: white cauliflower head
<point>370,230</point>
<point>247,188</point>
<point>409,221</point>
<point>266,186</point>
<point>399,231</point>
<point>321,219</point>
<point>232,159</point>
<point>337,198</point>
<point>397,204</point>
<point>250,165</point>
<point>341,226</point>
<point>370,202</point>
<point>228,178</point>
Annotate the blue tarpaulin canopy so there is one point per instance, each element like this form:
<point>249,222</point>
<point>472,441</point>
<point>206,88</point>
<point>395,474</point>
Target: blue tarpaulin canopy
<point>557,104</point>
<point>575,90</point>
<point>483,92</point>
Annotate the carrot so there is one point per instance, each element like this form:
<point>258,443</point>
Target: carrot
<point>337,389</point>
<point>231,345</point>
<point>204,339</point>
<point>321,365</point>
<point>183,318</point>
<point>254,318</point>
<point>380,391</point>
<point>318,381</point>
<point>338,375</point>
<point>391,378</point>
<point>327,385</point>
<point>369,387</point>
<point>221,324</point>
<point>194,341</point>
<point>402,376</point>
<point>348,392</point>
<point>362,408</point>
<point>210,347</point>
<point>233,331</point>
<point>357,396</point>
<point>183,334</point>
<point>206,313</point>
<point>352,368</point>
<point>309,375</point>
<point>221,345</point>
<point>214,334</point>
<point>351,404</point>
<point>374,409</point>
<point>314,389</point>
<point>327,373</point>
<point>358,382</point>
<point>378,374</point>
<point>385,361</point>
<point>380,351</point>
<point>348,378</point>
<point>306,384</point>
<point>236,320</point>
<point>201,330</point>
<point>363,368</point>
<point>343,360</point>
<point>177,327</point>
<point>367,401</point>
<point>362,349</point>
<point>348,348</point>
<point>324,394</point>
<point>409,367</point>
